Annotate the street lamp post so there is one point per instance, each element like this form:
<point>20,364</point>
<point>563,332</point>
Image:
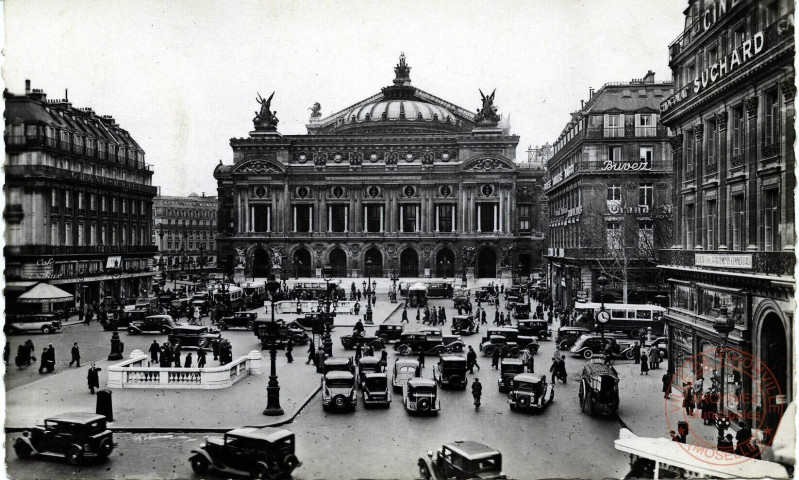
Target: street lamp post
<point>367,287</point>
<point>273,387</point>
<point>723,324</point>
<point>602,316</point>
<point>394,279</point>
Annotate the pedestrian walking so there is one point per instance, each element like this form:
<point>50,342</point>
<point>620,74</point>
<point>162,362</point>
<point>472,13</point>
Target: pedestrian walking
<point>93,378</point>
<point>483,320</point>
<point>496,318</point>
<point>289,349</point>
<point>421,360</point>
<point>495,359</point>
<point>434,317</point>
<point>155,350</point>
<point>370,352</point>
<point>404,315</point>
<point>31,354</point>
<point>215,349</point>
<point>197,320</point>
<point>20,358</point>
<point>75,355</point>
<point>554,368</point>
<point>637,353</point>
<point>417,314</point>
<point>531,364</point>
<point>187,363</point>
<point>442,315</point>
<point>50,360</point>
<point>666,380</point>
<point>312,347</point>
<point>176,355</point>
<point>688,399</point>
<point>201,354</point>
<point>384,359</point>
<point>644,364</point>
<point>166,356</point>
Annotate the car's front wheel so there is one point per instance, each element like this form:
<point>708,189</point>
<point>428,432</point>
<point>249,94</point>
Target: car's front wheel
<point>250,325</point>
<point>261,472</point>
<point>290,462</point>
<point>47,329</point>
<point>22,449</point>
<point>199,464</point>
<point>587,353</point>
<point>74,455</point>
<point>105,448</point>
<point>221,325</point>
<point>424,471</point>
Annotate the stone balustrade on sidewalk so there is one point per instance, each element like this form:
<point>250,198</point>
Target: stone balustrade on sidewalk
<point>135,373</point>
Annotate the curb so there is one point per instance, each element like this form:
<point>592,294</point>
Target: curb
<point>196,430</point>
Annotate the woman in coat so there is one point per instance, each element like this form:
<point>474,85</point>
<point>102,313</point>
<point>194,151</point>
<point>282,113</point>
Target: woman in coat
<point>666,379</point>
<point>644,363</point>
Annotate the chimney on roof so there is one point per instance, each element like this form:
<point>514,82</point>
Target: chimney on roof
<point>590,93</point>
<point>66,95</point>
<point>38,94</point>
<point>649,77</point>
<point>27,86</point>
<point>582,104</point>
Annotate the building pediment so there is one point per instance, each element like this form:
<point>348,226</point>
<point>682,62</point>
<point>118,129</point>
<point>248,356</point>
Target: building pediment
<point>258,167</point>
<point>488,163</point>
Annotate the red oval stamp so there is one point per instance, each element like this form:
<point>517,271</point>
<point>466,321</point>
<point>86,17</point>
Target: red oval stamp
<point>709,393</point>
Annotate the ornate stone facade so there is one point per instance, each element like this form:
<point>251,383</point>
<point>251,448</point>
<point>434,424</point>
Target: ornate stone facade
<point>402,181</point>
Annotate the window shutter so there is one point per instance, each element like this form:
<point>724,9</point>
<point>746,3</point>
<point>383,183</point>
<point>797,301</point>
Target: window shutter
<point>621,125</point>
<point>606,120</point>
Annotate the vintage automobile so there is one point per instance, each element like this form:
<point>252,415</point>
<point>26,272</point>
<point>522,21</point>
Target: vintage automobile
<point>417,295</point>
<point>484,294</point>
<point>308,320</point>
<point>662,345</point>
<point>75,436</point>
<point>263,453</point>
<point>511,301</point>
<point>589,345</point>
<point>374,388</point>
<point>349,342</point>
<point>452,343</point>
<point>338,391</point>
<point>389,332</point>
<point>512,334</point>
<point>41,322</point>
<point>201,304</point>
<point>279,334</point>
<point>368,365</point>
<point>461,297</point>
<point>420,395</point>
<point>127,317</point>
<point>238,320</point>
<point>462,460</point>
<point>508,368</point>
<point>404,370</point>
<point>338,364</point>
<point>521,311</point>
<point>411,343</point>
<point>450,371</point>
<point>506,347</point>
<point>599,388</point>
<point>534,328</point>
<point>194,336</point>
<point>568,335</point>
<point>153,323</point>
<point>465,325</point>
<point>530,391</point>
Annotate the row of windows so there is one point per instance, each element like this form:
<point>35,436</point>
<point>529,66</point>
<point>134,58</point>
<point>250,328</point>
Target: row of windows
<point>204,223</point>
<point>190,245</point>
<point>92,235</point>
<point>57,200</point>
<point>193,213</point>
<point>619,235</point>
<point>735,215</point>
<point>77,143</point>
<point>573,198</point>
<point>613,126</point>
<point>37,158</point>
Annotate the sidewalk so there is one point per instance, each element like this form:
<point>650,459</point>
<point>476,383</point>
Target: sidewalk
<point>154,410</point>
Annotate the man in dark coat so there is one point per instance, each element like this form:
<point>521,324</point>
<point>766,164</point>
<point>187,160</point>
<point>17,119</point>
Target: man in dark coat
<point>93,378</point>
<point>215,349</point>
<point>176,355</point>
<point>201,354</point>
<point>644,364</point>
<point>289,349</point>
<point>471,360</point>
<point>666,380</point>
<point>50,358</point>
<point>688,399</point>
<point>637,353</point>
<point>442,315</point>
<point>154,351</point>
<point>187,363</point>
<point>421,360</point>
<point>495,359</point>
<point>312,351</point>
<point>358,352</point>
<point>165,360</point>
<point>384,359</point>
<point>483,320</point>
<point>530,364</point>
<point>496,318</point>
<point>404,315</point>
<point>75,354</point>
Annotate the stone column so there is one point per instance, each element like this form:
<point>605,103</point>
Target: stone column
<point>418,217</point>
<point>269,219</point>
<point>699,217</point>
<point>365,223</point>
<point>402,216</point>
<point>294,225</point>
<point>723,207</point>
<point>287,209</point>
<point>478,229</point>
<point>437,218</point>
<point>496,216</point>
<point>310,223</point>
<point>787,222</point>
<point>324,220</point>
<point>463,209</point>
<point>346,218</point>
<point>382,217</point>
<point>676,198</point>
<point>751,161</point>
<point>329,218</point>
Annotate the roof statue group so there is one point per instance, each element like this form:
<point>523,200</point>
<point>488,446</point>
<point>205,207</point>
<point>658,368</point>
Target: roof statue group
<point>266,117</point>
<point>487,114</point>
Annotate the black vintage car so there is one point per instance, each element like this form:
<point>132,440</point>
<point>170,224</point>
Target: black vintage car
<point>308,320</point>
<point>512,334</point>
<point>389,332</point>
<point>367,365</point>
<point>461,297</point>
<point>153,323</point>
<point>465,325</point>
<point>508,368</point>
<point>75,436</point>
<point>414,343</point>
<point>349,342</point>
<point>374,388</point>
<point>506,347</point>
<point>238,320</point>
<point>484,294</point>
<point>343,364</point>
<point>263,453</point>
<point>521,311</point>
<point>338,391</point>
<point>462,460</point>
<point>420,395</point>
<point>568,335</point>
<point>450,371</point>
<point>534,328</point>
<point>530,391</point>
<point>194,336</point>
<point>279,333</point>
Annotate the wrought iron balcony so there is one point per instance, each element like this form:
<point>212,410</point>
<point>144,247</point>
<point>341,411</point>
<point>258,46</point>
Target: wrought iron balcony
<point>51,250</point>
<point>768,263</point>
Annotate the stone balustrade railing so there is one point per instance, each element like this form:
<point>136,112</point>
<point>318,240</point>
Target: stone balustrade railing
<point>134,373</point>
<point>343,307</point>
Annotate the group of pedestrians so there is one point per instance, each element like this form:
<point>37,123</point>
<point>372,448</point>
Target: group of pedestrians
<point>25,354</point>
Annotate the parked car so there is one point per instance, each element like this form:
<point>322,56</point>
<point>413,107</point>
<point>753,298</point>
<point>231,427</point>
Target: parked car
<point>599,388</point>
<point>75,436</point>
<point>374,388</point>
<point>462,460</point>
<point>568,335</point>
<point>238,320</point>
<point>521,311</point>
<point>248,451</point>
<point>465,325</point>
<point>338,391</point>
<point>153,323</point>
<point>420,395</point>
<point>349,342</point>
<point>367,365</point>
<point>334,364</point>
<point>308,320</point>
<point>279,333</point>
<point>484,294</point>
<point>508,368</point>
<point>506,347</point>
<point>389,333</point>
<point>404,370</point>
<point>194,336</point>
<point>534,328</point>
<point>129,316</point>
<point>589,345</point>
<point>453,343</point>
<point>511,301</point>
<point>461,297</point>
<point>419,343</point>
<point>44,322</point>
<point>530,391</point>
<point>450,371</point>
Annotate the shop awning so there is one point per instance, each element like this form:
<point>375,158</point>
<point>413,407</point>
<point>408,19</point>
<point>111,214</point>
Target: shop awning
<point>45,293</point>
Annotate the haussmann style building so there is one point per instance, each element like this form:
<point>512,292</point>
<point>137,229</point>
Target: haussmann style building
<point>403,181</point>
<point>184,229</point>
<point>731,269</point>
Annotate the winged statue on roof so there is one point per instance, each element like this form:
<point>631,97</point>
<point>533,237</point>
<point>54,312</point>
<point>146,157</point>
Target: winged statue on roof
<point>487,114</point>
<point>266,117</point>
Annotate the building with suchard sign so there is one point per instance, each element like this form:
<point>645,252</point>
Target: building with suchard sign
<point>731,269</point>
<point>609,195</point>
<point>401,182</point>
<point>78,202</point>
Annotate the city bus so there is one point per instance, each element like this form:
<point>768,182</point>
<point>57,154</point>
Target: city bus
<point>632,319</point>
<point>254,294</point>
<point>232,295</point>
<point>442,289</point>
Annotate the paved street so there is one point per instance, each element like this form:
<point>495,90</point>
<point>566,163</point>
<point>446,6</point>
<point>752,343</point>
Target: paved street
<point>556,440</point>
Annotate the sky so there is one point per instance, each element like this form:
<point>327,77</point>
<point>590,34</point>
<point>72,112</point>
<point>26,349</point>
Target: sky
<point>182,75</point>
